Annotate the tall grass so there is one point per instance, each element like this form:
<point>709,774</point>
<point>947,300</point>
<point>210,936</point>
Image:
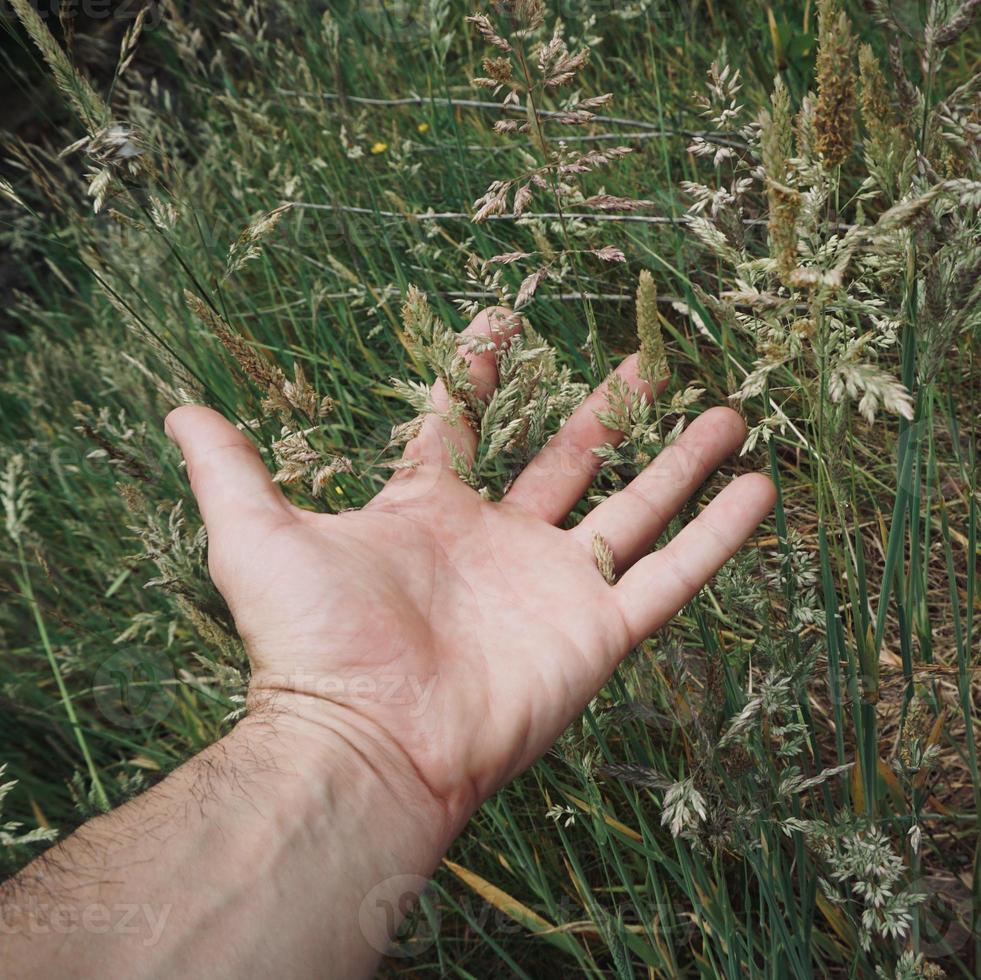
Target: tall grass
<point>784,782</point>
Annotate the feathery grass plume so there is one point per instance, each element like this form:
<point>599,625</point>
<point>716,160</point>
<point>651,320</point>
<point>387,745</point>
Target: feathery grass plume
<point>533,396</point>
<point>267,377</point>
<point>7,191</point>
<point>248,245</point>
<point>912,966</point>
<point>533,70</point>
<point>683,807</point>
<point>653,361</point>
<point>300,396</point>
<point>529,14</point>
<point>91,108</point>
<point>129,43</point>
<point>914,748</point>
<point>297,459</point>
<point>297,452</point>
<point>793,782</point>
<point>646,426</point>
<point>776,147</point>
<point>944,35</point>
<point>438,346</point>
<point>813,271</point>
<point>637,775</point>
<point>179,555</point>
<point>12,832</point>
<point>114,147</point>
<point>952,298</point>
<point>16,496</point>
<point>463,468</point>
<point>910,98</point>
<point>834,110</point>
<point>482,24</point>
<point>916,207</point>
<point>121,444</point>
<point>872,387</point>
<point>721,107</point>
<point>512,418</point>
<point>886,146</point>
<point>120,153</point>
<point>866,863</point>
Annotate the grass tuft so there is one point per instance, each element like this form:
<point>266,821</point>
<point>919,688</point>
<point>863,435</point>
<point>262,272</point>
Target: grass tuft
<point>264,211</point>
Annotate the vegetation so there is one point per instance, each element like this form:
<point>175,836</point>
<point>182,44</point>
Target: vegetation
<point>283,212</point>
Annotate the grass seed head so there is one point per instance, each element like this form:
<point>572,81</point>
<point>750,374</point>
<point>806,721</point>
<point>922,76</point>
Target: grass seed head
<point>834,117</point>
<point>874,97</point>
<point>88,104</point>
<point>776,144</point>
<point>653,357</point>
<point>603,554</point>
<point>267,377</point>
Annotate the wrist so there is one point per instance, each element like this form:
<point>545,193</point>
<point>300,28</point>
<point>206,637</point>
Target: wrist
<point>342,802</point>
<point>326,755</point>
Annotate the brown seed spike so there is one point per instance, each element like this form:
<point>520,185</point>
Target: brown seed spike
<point>776,132</point>
<point>834,111</point>
<point>653,366</point>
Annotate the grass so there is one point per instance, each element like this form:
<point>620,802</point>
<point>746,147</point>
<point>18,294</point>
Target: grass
<point>843,636</point>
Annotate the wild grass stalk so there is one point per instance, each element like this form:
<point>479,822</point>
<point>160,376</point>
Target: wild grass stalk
<point>16,496</point>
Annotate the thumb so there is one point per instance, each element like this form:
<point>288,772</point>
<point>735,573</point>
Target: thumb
<point>228,477</point>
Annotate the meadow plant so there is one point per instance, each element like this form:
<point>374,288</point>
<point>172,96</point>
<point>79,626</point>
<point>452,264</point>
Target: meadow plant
<point>764,787</point>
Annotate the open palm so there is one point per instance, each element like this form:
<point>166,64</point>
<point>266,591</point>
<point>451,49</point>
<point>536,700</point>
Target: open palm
<point>462,633</point>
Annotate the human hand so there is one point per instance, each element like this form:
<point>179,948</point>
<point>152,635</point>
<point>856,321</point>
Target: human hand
<point>407,660</point>
<point>443,633</point>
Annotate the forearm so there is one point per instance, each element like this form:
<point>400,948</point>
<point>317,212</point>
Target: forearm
<point>254,858</point>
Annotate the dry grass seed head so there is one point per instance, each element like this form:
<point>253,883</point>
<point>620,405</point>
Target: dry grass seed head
<point>267,377</point>
<point>653,361</point>
<point>834,113</point>
<point>776,144</point>
<point>603,554</point>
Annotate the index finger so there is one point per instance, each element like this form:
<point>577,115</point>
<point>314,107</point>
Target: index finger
<point>496,325</point>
